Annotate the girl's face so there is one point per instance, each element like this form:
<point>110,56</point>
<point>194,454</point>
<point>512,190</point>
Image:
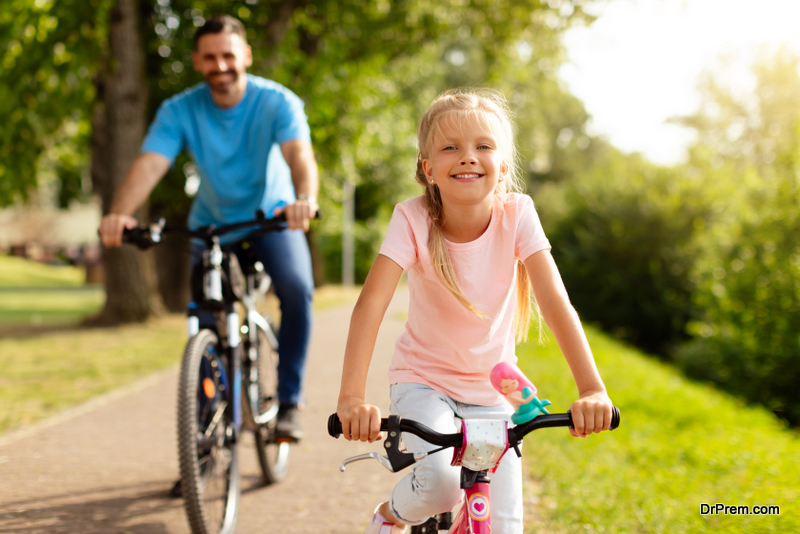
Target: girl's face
<point>508,385</point>
<point>465,159</point>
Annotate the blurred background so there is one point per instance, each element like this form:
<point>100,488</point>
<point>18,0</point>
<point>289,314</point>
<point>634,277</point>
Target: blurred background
<point>660,141</point>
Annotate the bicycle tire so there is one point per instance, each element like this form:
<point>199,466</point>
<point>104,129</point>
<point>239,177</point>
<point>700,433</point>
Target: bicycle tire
<point>208,454</point>
<point>273,457</point>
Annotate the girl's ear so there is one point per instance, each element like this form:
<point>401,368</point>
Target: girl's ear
<point>427,168</point>
<point>503,169</point>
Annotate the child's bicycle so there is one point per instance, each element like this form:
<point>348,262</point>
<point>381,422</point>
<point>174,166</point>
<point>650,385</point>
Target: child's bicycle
<point>473,516</point>
<point>228,376</point>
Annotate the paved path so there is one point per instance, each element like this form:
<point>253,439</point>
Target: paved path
<point>106,467</point>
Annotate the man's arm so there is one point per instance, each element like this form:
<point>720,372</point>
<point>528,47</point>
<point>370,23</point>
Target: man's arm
<point>300,157</point>
<point>145,172</point>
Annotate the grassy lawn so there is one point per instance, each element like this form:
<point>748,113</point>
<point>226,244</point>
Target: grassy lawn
<point>49,372</point>
<point>37,295</point>
<point>18,273</point>
<point>680,444</point>
<point>48,306</point>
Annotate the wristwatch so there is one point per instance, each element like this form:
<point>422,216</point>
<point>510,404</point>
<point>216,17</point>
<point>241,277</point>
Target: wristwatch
<point>307,198</point>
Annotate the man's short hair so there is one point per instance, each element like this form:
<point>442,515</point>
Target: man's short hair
<point>220,24</point>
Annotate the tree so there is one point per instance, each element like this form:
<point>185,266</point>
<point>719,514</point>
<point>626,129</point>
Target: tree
<point>748,280</point>
<point>78,66</point>
<point>118,127</point>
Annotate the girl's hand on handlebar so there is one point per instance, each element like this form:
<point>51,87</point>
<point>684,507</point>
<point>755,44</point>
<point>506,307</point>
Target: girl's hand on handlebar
<point>591,414</point>
<point>112,226</point>
<point>360,421</point>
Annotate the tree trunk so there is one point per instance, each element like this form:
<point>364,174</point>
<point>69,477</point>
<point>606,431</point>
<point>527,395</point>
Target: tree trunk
<point>119,124</point>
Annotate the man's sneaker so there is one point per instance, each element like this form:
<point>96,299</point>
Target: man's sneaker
<point>288,426</point>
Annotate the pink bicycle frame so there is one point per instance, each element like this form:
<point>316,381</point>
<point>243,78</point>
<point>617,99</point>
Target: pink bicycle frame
<point>475,515</point>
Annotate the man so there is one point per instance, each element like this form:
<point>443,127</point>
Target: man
<point>250,141</point>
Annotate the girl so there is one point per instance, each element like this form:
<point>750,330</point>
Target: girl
<point>469,244</point>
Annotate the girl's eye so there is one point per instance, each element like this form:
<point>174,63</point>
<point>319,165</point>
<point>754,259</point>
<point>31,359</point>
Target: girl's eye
<point>485,147</point>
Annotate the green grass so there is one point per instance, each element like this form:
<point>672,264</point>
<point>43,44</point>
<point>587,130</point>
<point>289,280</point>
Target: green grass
<point>680,444</point>
<point>34,295</point>
<point>47,373</point>
<point>48,306</point>
<point>18,273</point>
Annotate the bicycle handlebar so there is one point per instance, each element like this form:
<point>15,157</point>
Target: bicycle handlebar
<point>145,237</point>
<point>515,434</point>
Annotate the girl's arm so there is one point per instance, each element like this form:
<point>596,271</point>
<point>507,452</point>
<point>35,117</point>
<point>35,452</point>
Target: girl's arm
<point>592,412</point>
<point>360,420</point>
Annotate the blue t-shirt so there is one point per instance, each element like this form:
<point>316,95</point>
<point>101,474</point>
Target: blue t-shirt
<point>236,150</point>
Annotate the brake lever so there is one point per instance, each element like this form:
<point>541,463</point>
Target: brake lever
<point>383,460</point>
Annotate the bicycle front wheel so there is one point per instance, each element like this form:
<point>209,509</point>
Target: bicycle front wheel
<point>208,454</point>
<point>273,457</point>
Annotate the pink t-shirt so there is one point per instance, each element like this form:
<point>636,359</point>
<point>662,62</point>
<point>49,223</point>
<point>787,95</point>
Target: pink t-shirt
<point>445,345</point>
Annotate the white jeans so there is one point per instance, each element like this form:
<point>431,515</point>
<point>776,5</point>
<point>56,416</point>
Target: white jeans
<point>434,485</point>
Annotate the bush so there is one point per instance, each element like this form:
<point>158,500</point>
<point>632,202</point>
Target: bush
<point>748,288</point>
<point>623,240</point>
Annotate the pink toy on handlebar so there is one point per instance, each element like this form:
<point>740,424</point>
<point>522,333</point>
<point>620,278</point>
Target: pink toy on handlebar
<point>518,391</point>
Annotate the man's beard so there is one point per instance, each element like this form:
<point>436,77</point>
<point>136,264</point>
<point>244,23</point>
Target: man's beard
<point>212,76</point>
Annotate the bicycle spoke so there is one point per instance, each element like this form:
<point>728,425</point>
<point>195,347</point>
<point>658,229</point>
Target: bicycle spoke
<point>215,420</point>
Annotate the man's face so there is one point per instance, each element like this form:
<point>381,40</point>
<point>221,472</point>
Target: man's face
<point>222,59</point>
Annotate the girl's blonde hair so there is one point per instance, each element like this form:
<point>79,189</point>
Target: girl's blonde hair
<point>490,108</point>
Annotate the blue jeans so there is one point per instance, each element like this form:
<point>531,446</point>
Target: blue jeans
<point>287,260</point>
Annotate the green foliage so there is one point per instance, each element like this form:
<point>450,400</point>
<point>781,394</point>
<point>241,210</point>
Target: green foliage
<point>746,337</point>
<point>707,250</point>
<point>50,50</point>
<point>622,236</point>
<point>680,444</point>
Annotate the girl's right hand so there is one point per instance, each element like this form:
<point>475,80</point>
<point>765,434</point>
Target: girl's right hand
<point>360,421</point>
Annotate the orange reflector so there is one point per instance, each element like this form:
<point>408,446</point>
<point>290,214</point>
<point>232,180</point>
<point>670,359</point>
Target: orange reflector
<point>208,388</point>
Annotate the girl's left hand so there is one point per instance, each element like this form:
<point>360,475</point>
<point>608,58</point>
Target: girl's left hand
<point>591,414</point>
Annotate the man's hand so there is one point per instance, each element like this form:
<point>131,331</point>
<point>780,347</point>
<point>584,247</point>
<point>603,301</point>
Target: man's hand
<point>111,227</point>
<point>299,214</point>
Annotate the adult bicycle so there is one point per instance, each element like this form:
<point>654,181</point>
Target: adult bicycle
<point>473,517</point>
<point>228,375</point>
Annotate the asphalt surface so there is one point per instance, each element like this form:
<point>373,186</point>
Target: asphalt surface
<point>107,466</point>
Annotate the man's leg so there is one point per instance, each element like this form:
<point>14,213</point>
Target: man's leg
<point>287,260</point>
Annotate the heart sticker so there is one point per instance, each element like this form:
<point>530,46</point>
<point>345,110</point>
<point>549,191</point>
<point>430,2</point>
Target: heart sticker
<point>478,507</point>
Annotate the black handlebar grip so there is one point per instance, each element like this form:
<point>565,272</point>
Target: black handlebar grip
<point>334,426</point>
<point>615,418</point>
